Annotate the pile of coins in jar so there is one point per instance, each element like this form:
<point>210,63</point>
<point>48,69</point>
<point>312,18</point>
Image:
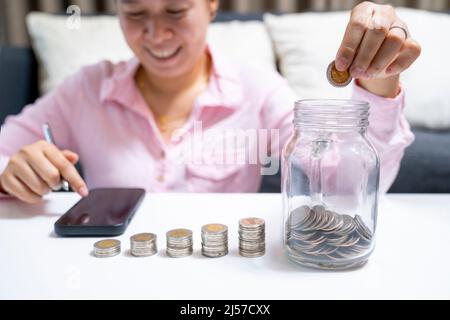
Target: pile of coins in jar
<point>316,232</point>
<point>179,242</point>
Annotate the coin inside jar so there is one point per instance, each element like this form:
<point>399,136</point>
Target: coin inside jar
<point>338,78</point>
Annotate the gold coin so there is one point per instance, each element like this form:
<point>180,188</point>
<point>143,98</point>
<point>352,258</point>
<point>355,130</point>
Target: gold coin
<point>107,244</point>
<point>338,78</point>
<point>179,233</point>
<point>143,237</point>
<point>214,227</point>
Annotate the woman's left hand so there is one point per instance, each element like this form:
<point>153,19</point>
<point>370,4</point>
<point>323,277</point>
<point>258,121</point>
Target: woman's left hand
<point>377,46</point>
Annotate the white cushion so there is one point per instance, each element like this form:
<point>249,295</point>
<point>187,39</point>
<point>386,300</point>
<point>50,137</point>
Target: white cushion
<point>232,39</point>
<point>62,51</point>
<point>306,43</point>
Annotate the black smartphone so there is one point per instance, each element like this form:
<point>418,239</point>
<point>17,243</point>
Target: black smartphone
<point>104,212</point>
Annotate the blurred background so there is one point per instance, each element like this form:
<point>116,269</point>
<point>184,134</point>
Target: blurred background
<point>13,12</point>
<point>40,45</point>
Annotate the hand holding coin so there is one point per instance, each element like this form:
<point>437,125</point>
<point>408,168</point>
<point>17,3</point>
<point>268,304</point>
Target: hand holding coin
<point>376,45</point>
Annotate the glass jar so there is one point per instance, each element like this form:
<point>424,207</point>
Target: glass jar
<point>330,178</point>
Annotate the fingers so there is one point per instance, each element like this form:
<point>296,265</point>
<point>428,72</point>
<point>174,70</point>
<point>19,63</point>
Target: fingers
<point>354,33</point>
<point>71,156</point>
<point>409,53</point>
<point>66,169</point>
<point>34,182</point>
<point>376,43</point>
<point>388,51</point>
<point>50,164</point>
<point>372,41</point>
<point>19,189</point>
<point>42,166</point>
<point>37,168</point>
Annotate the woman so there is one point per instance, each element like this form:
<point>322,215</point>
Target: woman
<point>129,122</point>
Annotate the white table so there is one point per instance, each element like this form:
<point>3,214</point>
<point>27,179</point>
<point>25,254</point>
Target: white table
<point>411,259</point>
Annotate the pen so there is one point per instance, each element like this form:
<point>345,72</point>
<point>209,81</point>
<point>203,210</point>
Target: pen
<point>49,138</point>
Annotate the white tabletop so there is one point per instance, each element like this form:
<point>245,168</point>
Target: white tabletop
<point>411,259</point>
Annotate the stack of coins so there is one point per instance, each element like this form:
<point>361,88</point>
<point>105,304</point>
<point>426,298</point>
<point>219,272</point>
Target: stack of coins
<point>214,240</point>
<point>252,236</point>
<point>317,233</point>
<point>143,245</point>
<point>106,248</point>
<point>179,243</point>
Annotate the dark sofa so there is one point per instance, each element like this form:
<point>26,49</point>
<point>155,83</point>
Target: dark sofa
<point>425,167</point>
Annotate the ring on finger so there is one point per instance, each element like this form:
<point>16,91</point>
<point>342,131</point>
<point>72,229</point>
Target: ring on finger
<point>405,31</point>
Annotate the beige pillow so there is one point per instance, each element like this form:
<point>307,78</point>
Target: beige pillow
<point>306,43</point>
<point>62,51</point>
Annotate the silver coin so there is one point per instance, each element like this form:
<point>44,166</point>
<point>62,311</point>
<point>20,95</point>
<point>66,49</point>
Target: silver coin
<point>298,217</point>
<point>362,228</point>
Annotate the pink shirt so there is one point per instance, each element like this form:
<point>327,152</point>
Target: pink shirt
<point>100,114</point>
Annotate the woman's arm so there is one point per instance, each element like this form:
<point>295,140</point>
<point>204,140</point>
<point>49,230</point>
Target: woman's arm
<point>389,132</point>
<point>29,166</point>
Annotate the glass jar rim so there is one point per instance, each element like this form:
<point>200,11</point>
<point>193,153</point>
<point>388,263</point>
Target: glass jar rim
<point>353,104</point>
<point>331,114</point>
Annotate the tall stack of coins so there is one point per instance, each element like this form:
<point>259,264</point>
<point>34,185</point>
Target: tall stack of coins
<point>338,78</point>
<point>252,236</point>
<point>106,248</point>
<point>214,240</point>
<point>143,245</point>
<point>320,234</point>
<point>179,243</point>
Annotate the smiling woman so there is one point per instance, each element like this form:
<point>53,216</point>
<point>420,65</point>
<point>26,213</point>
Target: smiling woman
<point>129,122</point>
<point>169,40</point>
<point>168,37</point>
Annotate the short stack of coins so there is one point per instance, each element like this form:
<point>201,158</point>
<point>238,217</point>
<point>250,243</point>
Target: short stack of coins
<point>106,248</point>
<point>318,233</point>
<point>214,240</point>
<point>143,245</point>
<point>252,236</point>
<point>179,243</point>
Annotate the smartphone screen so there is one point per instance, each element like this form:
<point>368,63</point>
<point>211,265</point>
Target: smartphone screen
<point>104,212</point>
